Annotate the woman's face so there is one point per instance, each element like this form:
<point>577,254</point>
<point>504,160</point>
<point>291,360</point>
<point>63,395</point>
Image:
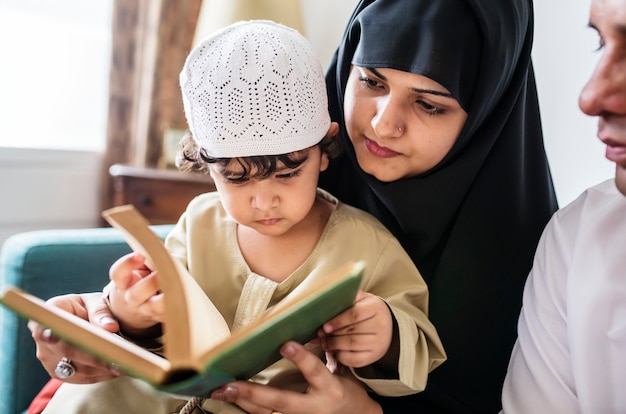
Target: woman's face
<point>401,124</point>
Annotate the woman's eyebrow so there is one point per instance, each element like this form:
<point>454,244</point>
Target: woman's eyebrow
<point>377,73</point>
<point>417,90</point>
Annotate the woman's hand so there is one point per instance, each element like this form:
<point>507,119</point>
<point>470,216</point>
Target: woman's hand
<point>50,349</point>
<point>327,393</point>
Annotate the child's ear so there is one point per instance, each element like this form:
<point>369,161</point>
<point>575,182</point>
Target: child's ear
<point>332,130</point>
<point>331,134</point>
<point>324,161</point>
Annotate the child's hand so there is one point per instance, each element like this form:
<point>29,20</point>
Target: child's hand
<point>134,294</point>
<point>361,335</point>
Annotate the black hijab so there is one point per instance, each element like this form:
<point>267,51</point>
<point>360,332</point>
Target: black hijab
<point>471,224</point>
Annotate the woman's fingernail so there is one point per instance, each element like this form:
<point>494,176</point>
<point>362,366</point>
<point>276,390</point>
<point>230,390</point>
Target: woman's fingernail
<point>289,350</point>
<point>231,392</point>
<point>115,369</point>
<point>48,337</point>
<point>107,320</point>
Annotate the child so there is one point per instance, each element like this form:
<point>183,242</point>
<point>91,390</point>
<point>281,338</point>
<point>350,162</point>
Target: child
<point>255,100</point>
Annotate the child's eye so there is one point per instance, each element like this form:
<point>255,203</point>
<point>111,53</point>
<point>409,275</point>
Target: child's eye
<point>289,175</point>
<point>233,179</point>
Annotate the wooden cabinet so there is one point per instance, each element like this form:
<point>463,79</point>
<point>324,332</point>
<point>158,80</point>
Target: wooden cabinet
<point>160,195</point>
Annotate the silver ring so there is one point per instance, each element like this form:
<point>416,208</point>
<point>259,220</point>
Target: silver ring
<point>64,369</point>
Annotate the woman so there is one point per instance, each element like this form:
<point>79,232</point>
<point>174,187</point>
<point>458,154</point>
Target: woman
<point>469,216</point>
<point>467,194</point>
<point>471,222</point>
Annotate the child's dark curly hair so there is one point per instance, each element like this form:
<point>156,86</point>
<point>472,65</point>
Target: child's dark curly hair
<point>191,157</point>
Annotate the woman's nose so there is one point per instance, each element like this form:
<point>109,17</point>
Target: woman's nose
<point>388,121</point>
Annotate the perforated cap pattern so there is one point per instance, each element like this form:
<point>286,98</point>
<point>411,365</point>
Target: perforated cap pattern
<point>254,88</point>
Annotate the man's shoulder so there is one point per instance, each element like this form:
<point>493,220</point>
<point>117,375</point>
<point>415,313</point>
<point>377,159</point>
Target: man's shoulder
<point>596,204</point>
<point>598,196</point>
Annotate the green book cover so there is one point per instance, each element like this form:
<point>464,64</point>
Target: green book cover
<point>249,354</point>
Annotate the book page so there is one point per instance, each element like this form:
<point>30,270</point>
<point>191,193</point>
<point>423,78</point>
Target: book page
<point>192,323</point>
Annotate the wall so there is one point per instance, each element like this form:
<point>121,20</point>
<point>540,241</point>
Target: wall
<point>564,59</point>
<point>48,189</point>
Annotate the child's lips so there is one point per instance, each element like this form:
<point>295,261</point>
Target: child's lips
<point>268,222</point>
<point>379,151</point>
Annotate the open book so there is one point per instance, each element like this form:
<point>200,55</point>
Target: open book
<point>200,353</point>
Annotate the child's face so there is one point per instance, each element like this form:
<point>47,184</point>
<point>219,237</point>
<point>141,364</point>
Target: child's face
<point>401,124</point>
<point>604,95</point>
<point>274,205</point>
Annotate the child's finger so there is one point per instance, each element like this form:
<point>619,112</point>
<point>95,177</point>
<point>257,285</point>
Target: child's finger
<point>128,269</point>
<point>143,290</point>
<point>363,309</point>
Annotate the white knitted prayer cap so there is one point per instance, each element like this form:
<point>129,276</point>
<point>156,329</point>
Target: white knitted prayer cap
<point>254,88</point>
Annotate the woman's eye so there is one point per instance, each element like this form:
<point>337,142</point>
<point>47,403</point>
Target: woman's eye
<point>430,109</point>
<point>370,83</point>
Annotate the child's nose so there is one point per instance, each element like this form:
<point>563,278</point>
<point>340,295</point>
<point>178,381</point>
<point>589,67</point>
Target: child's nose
<point>264,200</point>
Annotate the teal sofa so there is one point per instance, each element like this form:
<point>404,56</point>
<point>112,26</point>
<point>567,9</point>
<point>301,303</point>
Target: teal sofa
<point>47,263</point>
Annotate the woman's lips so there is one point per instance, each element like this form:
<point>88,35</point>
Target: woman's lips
<point>379,151</point>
